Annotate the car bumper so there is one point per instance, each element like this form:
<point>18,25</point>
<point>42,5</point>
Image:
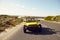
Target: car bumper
<point>33,28</point>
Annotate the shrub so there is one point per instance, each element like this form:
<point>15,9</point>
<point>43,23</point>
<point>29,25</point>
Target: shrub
<point>9,21</point>
<point>49,18</point>
<point>57,18</point>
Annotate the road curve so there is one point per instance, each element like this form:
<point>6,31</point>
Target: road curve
<point>51,31</point>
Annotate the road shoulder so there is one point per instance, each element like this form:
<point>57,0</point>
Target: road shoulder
<point>9,32</point>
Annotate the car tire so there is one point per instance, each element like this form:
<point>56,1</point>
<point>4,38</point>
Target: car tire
<point>24,29</point>
<point>40,28</point>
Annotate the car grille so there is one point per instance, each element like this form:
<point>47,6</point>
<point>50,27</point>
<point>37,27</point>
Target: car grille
<point>33,25</point>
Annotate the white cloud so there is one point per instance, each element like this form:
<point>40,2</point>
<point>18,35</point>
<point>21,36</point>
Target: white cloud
<point>34,8</point>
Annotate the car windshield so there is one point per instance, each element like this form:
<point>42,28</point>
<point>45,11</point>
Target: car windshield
<point>30,20</point>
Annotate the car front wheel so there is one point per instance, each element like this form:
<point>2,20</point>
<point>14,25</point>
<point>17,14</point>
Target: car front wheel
<point>40,28</point>
<point>24,29</point>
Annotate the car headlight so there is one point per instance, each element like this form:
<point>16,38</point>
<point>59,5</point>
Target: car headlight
<point>26,24</point>
<point>38,23</point>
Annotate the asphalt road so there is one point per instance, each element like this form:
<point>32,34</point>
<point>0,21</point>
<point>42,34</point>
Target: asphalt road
<point>51,31</point>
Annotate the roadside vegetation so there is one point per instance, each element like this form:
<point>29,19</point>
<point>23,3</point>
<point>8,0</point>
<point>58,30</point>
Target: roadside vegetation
<point>53,18</point>
<point>7,21</point>
<point>49,18</point>
<point>57,18</point>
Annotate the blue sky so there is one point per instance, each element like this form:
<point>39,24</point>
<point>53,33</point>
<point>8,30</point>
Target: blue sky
<point>30,7</point>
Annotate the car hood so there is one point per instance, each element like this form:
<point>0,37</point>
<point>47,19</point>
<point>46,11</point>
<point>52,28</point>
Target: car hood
<point>31,23</point>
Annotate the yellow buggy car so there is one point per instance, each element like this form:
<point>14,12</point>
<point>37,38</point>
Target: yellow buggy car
<point>32,24</point>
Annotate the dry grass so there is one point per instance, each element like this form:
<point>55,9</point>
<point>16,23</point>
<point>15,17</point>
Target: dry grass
<point>9,21</point>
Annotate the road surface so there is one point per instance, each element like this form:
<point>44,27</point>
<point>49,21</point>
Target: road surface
<point>51,31</point>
